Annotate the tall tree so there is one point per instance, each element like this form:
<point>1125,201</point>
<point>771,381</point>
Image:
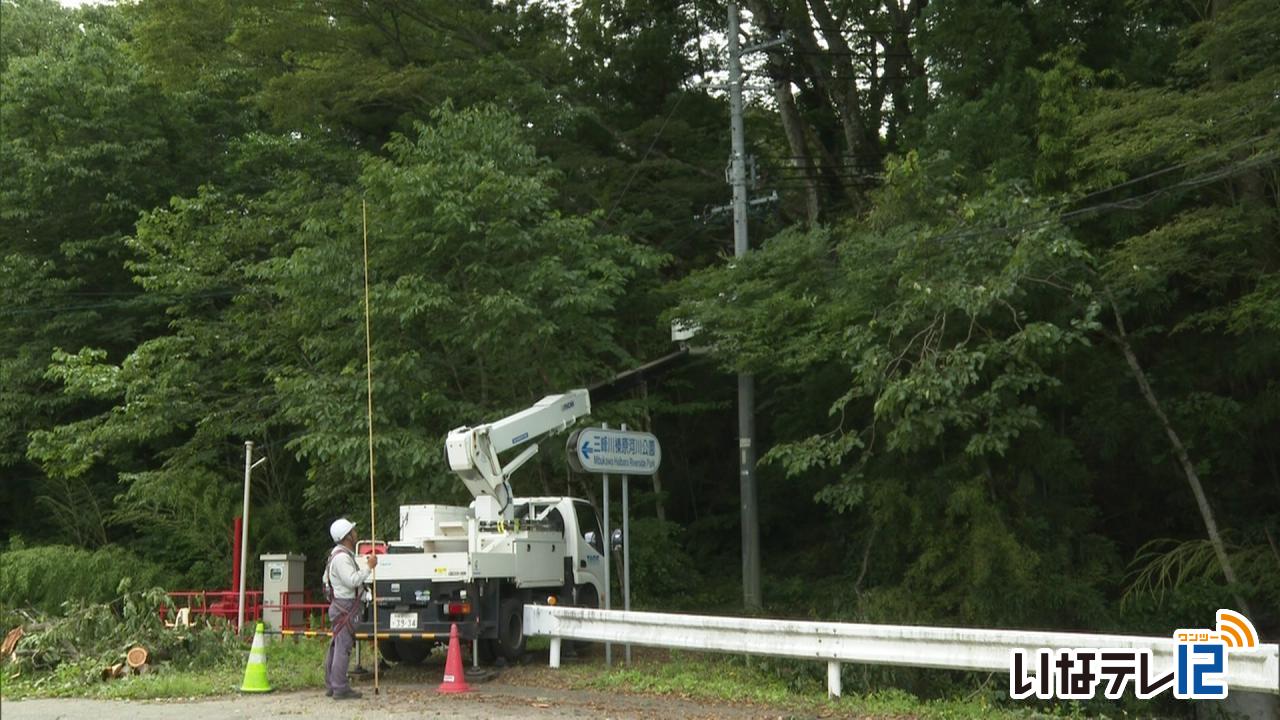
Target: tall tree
<point>89,144</point>
<point>479,286</point>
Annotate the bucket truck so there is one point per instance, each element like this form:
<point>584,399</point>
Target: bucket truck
<point>478,566</point>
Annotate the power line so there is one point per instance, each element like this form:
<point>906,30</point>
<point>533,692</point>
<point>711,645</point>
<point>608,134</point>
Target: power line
<point>1133,203</point>
<point>1212,176</point>
<point>105,293</point>
<point>640,163</point>
<point>798,165</point>
<point>123,302</point>
<point>817,172</point>
<point>1171,168</point>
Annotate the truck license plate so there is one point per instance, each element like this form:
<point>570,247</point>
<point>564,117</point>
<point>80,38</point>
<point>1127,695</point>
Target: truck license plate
<point>404,621</point>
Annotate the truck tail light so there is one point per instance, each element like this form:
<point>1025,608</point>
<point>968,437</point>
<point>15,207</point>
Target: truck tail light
<point>457,608</point>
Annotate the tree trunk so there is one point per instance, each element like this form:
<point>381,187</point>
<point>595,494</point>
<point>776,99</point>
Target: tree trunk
<point>659,504</point>
<point>899,66</point>
<point>793,125</point>
<point>861,134</point>
<point>827,69</point>
<point>1180,451</point>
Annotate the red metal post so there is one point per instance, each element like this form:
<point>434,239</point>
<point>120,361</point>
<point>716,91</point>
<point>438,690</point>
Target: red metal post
<point>235,552</point>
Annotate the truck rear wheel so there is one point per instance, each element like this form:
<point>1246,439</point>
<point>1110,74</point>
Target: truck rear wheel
<point>387,650</point>
<point>510,644</point>
<point>412,652</point>
<point>488,651</point>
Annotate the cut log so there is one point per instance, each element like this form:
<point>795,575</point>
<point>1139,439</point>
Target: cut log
<point>10,642</point>
<point>113,671</point>
<point>137,656</point>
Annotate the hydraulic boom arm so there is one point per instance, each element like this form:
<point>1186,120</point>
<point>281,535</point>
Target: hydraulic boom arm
<point>473,451</point>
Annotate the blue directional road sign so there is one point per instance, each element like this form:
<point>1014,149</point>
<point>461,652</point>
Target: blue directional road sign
<point>615,452</point>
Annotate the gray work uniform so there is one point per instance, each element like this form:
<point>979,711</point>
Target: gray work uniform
<point>346,578</point>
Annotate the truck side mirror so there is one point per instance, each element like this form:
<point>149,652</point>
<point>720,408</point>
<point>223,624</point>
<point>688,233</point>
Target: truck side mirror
<point>615,539</point>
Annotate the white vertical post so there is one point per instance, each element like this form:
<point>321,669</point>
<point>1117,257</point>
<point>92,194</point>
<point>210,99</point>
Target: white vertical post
<point>555,652</point>
<point>608,557</point>
<point>244,533</point>
<point>626,557</point>
<point>475,652</point>
<point>626,550</point>
<point>833,679</point>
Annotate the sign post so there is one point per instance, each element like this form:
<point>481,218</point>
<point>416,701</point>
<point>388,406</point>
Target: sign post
<point>615,452</point>
<point>608,565</point>
<point>626,549</point>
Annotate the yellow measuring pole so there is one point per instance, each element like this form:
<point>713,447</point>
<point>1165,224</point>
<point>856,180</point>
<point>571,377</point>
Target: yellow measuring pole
<point>373,507</point>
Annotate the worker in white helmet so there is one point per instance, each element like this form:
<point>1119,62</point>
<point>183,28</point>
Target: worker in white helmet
<point>344,579</point>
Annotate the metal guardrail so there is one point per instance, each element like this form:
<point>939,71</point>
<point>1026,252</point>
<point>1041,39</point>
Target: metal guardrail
<point>1256,670</point>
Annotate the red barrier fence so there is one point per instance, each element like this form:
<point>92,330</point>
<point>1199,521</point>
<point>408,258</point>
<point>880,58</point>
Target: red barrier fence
<point>299,610</point>
<point>202,604</point>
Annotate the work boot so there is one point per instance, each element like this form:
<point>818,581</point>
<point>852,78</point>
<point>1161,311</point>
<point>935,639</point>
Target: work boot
<point>328,692</point>
<point>347,694</point>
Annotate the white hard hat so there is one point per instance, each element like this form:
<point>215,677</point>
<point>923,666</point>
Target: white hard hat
<point>340,528</point>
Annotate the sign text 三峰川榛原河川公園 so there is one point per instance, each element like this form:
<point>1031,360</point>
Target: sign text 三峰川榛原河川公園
<point>597,450</point>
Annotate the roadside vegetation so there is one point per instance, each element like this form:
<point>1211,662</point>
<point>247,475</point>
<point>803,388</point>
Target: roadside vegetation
<point>1012,305</point>
<point>784,687</point>
<point>216,672</point>
<point>81,649</point>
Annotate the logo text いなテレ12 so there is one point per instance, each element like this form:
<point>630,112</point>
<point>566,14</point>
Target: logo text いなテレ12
<point>1199,672</point>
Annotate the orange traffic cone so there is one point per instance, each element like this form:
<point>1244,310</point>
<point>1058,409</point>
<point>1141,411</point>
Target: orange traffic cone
<point>454,679</point>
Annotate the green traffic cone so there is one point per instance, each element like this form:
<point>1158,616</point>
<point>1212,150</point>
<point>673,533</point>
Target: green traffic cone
<point>255,673</point>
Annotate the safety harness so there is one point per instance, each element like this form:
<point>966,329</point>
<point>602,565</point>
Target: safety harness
<point>350,615</point>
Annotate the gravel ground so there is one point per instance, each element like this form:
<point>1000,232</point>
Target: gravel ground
<point>492,700</point>
<point>529,690</point>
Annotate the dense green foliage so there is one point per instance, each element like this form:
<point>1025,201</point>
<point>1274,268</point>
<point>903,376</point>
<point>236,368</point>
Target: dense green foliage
<point>1018,295</point>
<point>44,577</point>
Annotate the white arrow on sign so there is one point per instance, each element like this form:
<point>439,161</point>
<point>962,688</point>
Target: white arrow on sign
<point>616,452</point>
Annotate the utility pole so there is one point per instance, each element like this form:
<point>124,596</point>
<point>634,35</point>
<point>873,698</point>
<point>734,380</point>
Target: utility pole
<point>244,534</point>
<point>249,465</point>
<point>746,382</point>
